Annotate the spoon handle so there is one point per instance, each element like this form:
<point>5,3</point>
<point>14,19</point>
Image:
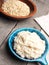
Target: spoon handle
<point>42,61</point>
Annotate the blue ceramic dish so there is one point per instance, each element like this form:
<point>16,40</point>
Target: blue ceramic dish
<point>41,59</point>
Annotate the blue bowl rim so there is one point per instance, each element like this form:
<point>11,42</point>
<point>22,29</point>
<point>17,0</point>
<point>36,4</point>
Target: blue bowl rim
<point>16,55</point>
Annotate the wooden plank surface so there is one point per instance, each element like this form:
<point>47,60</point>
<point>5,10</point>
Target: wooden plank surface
<point>42,7</point>
<point>27,23</point>
<point>6,25</point>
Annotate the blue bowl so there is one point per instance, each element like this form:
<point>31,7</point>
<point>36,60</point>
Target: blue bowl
<point>41,59</point>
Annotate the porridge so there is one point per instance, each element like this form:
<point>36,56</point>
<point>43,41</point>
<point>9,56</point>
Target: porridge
<point>29,45</point>
<point>16,8</point>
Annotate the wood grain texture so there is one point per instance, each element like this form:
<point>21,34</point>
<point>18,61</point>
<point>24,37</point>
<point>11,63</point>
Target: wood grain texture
<point>27,23</point>
<point>5,27</point>
<point>42,7</point>
<point>33,63</point>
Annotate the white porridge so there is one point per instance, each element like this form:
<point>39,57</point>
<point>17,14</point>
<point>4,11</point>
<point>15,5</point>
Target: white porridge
<point>29,45</point>
<point>16,8</point>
